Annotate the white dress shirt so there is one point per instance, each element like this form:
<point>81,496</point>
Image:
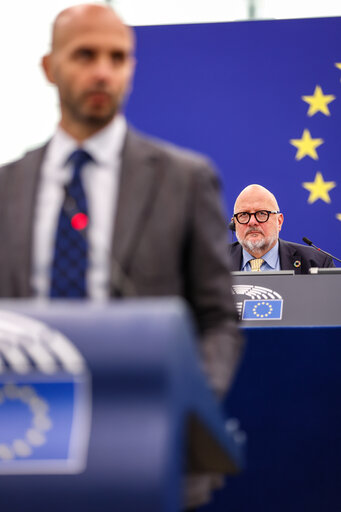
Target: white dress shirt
<point>101,181</point>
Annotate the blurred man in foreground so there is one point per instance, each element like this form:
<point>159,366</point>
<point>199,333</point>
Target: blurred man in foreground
<point>101,211</point>
<point>257,221</point>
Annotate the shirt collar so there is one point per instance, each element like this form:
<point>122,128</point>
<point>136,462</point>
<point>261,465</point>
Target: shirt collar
<point>105,146</point>
<point>270,257</point>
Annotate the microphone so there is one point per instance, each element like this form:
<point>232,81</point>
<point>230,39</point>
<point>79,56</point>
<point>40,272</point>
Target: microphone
<point>309,242</point>
<point>120,285</point>
<point>79,220</point>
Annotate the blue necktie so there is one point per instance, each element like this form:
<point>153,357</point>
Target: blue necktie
<point>70,260</point>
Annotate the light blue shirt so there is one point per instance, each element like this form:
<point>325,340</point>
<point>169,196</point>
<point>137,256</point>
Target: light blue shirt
<point>271,260</point>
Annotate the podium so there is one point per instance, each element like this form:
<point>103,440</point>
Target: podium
<point>101,406</point>
<point>306,300</point>
<point>287,394</point>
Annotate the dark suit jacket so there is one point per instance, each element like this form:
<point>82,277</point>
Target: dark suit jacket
<point>297,257</point>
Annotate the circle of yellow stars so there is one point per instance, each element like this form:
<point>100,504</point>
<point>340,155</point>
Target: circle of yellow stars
<point>35,435</point>
<point>307,145</point>
<point>265,315</point>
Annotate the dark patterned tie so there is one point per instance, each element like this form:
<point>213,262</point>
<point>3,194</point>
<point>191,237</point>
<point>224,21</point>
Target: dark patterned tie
<point>70,261</point>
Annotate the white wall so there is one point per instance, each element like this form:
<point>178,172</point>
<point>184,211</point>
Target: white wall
<point>28,105</point>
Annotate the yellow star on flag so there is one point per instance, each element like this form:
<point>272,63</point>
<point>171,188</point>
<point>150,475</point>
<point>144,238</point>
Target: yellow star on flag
<point>338,216</point>
<point>338,65</point>
<point>306,146</point>
<point>319,188</point>
<point>318,102</point>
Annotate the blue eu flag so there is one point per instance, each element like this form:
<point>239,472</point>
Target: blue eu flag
<point>262,309</point>
<point>39,421</point>
<point>271,111</point>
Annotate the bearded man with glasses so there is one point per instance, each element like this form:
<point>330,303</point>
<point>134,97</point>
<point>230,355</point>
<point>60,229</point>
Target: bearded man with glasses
<point>257,221</point>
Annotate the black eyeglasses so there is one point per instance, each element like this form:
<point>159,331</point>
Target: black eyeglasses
<point>260,216</point>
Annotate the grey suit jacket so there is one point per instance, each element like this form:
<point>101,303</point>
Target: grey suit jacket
<point>169,239</point>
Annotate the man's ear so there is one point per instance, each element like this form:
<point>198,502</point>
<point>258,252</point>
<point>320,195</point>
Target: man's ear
<point>47,68</point>
<point>280,221</point>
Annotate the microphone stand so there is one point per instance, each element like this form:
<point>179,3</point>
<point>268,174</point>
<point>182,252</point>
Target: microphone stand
<point>310,243</point>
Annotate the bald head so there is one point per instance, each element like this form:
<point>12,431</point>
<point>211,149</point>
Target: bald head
<point>256,194</point>
<point>83,17</point>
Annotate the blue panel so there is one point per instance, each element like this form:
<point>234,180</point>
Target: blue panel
<point>287,396</point>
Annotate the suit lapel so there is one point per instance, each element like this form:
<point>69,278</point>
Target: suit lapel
<point>139,180</point>
<point>236,256</point>
<point>289,258</point>
<point>23,187</point>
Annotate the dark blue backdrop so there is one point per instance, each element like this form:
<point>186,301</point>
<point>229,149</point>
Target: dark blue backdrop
<point>234,91</point>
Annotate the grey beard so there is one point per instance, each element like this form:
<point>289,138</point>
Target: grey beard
<point>259,245</point>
